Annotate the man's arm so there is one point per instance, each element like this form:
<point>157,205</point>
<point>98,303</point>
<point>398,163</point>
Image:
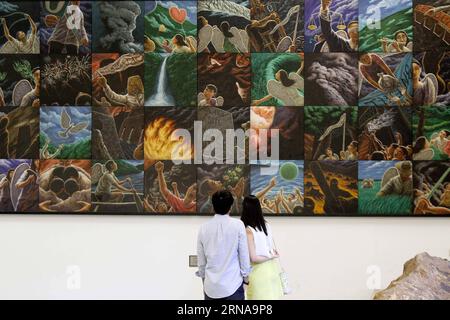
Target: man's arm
<point>6,31</point>
<point>272,183</point>
<point>32,25</point>
<point>387,189</point>
<point>201,257</point>
<point>243,253</point>
<point>159,167</point>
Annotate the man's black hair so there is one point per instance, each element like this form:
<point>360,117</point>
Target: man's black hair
<point>222,202</point>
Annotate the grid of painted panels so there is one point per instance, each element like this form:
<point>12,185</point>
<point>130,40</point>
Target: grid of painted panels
<point>100,105</point>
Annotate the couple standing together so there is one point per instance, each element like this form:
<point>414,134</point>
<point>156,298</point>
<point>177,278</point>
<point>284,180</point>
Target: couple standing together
<point>233,253</point>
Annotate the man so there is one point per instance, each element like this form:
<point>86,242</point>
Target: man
<point>335,42</point>
<point>104,187</point>
<point>31,99</point>
<point>209,94</point>
<point>222,250</point>
<point>188,204</point>
<point>23,44</point>
<point>69,36</point>
<point>401,184</point>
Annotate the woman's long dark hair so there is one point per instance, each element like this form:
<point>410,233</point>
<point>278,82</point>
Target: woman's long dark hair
<point>252,215</point>
<point>225,28</point>
<point>180,40</point>
<point>419,144</point>
<point>284,78</point>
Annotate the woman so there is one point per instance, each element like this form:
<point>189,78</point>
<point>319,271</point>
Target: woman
<point>422,149</point>
<point>285,87</point>
<point>181,46</point>
<point>264,280</point>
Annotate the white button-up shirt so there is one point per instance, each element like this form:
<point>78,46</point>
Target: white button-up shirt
<point>223,257</point>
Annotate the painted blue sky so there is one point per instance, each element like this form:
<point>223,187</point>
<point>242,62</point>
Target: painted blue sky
<point>259,181</point>
<point>5,165</point>
<point>373,169</point>
<point>380,8</point>
<point>50,123</point>
<point>190,6</point>
<point>348,9</point>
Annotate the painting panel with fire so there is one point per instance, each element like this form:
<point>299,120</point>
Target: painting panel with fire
<point>168,133</point>
<point>118,80</point>
<point>331,187</point>
<point>118,133</point>
<point>285,125</point>
<point>224,79</point>
<point>215,177</point>
<point>278,185</point>
<point>331,133</point>
<point>385,133</point>
<point>170,188</point>
<point>385,187</point>
<point>170,79</point>
<point>65,186</point>
<point>117,186</point>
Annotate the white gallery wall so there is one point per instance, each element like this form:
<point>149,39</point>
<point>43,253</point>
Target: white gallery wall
<point>136,257</point>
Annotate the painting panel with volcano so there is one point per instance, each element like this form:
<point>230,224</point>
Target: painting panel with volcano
<point>170,26</point>
<point>215,177</point>
<point>385,133</point>
<point>170,80</point>
<point>66,80</point>
<point>385,26</point>
<point>331,187</point>
<point>430,23</point>
<point>331,133</point>
<point>66,27</point>
<point>278,185</point>
<point>331,26</point>
<point>65,133</point>
<point>117,186</point>
<point>276,26</point>
<point>170,187</point>
<point>376,196</point>
<point>19,80</point>
<point>431,129</point>
<point>222,26</point>
<point>19,133</point>
<point>119,26</point>
<point>331,79</point>
<point>278,79</point>
<point>118,133</point>
<point>285,125</point>
<point>65,186</point>
<point>224,79</point>
<point>118,80</point>
<point>168,132</point>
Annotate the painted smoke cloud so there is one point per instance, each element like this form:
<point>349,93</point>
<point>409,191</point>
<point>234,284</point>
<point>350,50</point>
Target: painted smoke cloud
<point>119,18</point>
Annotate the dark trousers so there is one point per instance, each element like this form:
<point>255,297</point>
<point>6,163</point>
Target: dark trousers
<point>238,295</point>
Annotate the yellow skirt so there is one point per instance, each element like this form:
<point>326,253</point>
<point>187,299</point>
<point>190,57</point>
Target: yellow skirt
<point>265,283</point>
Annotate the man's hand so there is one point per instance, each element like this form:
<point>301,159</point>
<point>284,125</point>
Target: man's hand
<point>102,81</point>
<point>174,185</point>
<point>159,167</point>
<point>273,182</point>
<point>3,21</point>
<point>84,42</point>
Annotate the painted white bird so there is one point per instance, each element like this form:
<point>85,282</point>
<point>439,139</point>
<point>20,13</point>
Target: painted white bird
<point>68,126</point>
